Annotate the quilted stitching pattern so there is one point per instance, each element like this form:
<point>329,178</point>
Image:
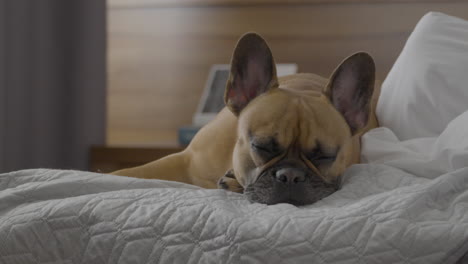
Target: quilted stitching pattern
<point>52,216</point>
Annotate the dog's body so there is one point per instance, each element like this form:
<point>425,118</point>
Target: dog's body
<point>279,140</point>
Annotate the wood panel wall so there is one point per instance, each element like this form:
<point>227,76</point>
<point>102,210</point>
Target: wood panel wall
<point>160,51</point>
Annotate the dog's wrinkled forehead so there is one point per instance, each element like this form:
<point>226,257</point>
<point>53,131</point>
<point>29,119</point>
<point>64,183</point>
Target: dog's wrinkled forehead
<point>293,119</point>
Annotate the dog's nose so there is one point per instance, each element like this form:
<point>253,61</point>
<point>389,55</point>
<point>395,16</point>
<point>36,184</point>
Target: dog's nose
<point>290,175</point>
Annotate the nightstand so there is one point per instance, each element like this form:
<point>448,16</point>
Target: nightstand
<point>105,159</point>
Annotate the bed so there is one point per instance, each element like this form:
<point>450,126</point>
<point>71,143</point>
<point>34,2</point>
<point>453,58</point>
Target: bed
<point>407,203</point>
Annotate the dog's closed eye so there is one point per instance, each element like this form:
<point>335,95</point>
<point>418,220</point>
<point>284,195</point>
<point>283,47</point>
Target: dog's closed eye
<point>263,148</point>
<point>266,148</point>
<point>320,157</point>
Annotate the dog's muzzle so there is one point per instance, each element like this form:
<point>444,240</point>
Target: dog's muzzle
<point>289,185</point>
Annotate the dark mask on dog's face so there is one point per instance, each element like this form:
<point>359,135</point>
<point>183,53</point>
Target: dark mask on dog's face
<point>296,136</point>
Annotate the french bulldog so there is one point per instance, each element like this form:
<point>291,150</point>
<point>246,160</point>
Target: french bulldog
<point>278,140</point>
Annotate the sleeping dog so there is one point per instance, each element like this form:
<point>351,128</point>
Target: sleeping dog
<point>278,139</point>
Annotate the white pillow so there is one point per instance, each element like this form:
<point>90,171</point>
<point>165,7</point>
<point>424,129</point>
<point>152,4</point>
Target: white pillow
<point>428,85</point>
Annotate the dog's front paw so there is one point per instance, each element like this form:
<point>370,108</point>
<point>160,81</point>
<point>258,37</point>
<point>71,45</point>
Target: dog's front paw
<point>229,182</point>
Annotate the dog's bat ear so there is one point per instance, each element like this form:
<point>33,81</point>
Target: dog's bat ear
<point>253,72</point>
<point>351,87</point>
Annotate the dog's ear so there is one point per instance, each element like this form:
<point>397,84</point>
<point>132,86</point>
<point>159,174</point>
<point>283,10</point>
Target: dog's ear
<point>351,87</point>
<point>253,72</point>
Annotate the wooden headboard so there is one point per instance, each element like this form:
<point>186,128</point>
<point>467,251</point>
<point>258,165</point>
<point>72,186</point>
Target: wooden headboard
<point>160,51</point>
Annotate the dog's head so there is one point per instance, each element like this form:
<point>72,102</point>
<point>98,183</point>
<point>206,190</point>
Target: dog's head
<point>295,139</point>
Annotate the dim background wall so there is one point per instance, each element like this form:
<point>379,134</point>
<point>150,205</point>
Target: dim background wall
<point>160,51</point>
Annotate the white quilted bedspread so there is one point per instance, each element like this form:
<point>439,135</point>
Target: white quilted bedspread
<point>383,214</point>
<point>409,204</point>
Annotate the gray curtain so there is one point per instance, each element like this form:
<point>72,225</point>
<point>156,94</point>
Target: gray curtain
<point>52,82</point>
